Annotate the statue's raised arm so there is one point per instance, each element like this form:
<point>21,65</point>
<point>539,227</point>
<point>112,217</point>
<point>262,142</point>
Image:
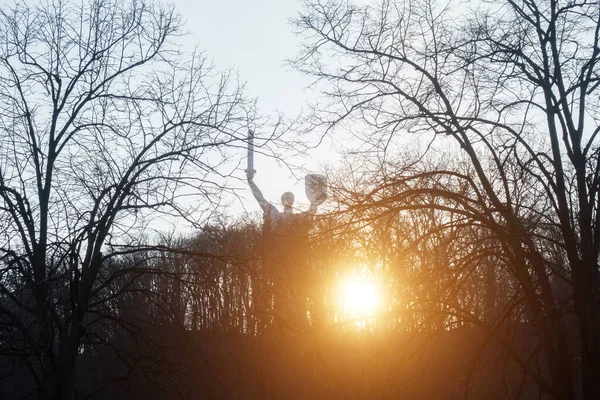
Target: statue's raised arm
<point>268,208</point>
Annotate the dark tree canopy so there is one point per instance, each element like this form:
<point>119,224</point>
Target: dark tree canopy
<point>104,123</point>
<point>508,94</point>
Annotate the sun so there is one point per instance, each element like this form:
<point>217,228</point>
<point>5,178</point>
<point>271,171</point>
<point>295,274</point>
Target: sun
<point>358,298</point>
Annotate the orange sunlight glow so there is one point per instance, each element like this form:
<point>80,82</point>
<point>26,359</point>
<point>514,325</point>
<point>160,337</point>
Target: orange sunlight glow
<point>358,299</point>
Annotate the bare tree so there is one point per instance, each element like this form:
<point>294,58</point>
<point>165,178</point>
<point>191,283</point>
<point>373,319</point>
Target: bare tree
<point>104,124</point>
<point>513,87</point>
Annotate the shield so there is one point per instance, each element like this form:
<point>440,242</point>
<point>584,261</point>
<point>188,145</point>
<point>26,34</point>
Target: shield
<point>315,187</point>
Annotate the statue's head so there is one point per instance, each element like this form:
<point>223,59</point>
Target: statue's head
<point>287,199</point>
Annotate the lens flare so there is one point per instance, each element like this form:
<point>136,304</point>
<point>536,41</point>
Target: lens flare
<point>359,299</point>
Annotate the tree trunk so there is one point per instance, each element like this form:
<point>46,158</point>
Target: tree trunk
<point>588,310</point>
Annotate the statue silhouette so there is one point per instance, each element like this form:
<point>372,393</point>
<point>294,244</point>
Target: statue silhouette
<point>286,246</point>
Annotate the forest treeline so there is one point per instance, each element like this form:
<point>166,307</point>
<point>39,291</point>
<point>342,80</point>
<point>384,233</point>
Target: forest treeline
<point>203,319</point>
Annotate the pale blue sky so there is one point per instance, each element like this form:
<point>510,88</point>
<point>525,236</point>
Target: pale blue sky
<point>255,38</point>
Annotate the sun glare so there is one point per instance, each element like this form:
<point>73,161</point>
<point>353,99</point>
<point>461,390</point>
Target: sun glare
<point>359,299</point>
